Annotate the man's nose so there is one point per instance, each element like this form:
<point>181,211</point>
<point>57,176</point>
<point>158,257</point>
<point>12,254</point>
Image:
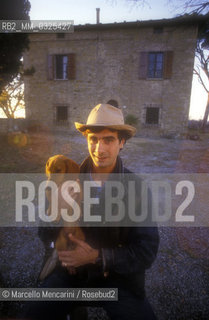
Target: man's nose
<point>99,146</point>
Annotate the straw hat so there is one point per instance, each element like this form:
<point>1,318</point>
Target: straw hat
<point>105,115</point>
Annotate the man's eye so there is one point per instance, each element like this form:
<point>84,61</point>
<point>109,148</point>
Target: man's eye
<point>93,140</point>
<point>108,140</point>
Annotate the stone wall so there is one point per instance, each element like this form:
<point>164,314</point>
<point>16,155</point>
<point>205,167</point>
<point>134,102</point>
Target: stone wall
<point>107,66</point>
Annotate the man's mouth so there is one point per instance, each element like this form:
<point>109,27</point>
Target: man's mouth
<point>100,158</point>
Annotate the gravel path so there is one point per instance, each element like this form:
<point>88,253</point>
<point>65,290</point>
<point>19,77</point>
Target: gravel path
<point>178,282</point>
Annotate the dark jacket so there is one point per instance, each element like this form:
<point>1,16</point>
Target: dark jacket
<point>125,252</point>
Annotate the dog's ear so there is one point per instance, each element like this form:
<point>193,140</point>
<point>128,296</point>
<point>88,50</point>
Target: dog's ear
<point>71,166</point>
<point>47,171</point>
<point>55,164</point>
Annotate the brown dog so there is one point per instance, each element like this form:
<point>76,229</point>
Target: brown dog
<point>58,169</point>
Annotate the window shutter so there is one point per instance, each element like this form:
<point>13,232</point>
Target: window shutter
<point>50,67</point>
<point>143,65</point>
<point>71,66</point>
<point>168,64</point>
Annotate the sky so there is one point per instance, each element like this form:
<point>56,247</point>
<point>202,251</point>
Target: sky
<point>84,11</point>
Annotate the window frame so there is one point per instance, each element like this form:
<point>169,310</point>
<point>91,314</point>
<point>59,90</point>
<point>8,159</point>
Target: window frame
<point>156,54</point>
<point>56,56</point>
<point>70,66</point>
<point>64,121</point>
<point>158,115</point>
<point>168,61</point>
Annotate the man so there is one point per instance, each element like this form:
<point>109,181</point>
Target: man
<point>110,257</point>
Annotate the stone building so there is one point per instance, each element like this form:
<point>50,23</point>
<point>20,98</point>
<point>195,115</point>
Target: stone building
<point>143,67</point>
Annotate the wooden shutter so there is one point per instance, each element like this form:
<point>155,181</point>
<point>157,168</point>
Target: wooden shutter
<point>143,64</point>
<point>168,64</point>
<point>50,67</point>
<point>71,66</point>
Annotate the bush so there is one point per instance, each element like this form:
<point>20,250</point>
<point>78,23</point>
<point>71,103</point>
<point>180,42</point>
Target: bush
<point>131,120</point>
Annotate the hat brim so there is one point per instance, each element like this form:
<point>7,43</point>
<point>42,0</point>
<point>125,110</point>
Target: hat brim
<point>131,131</point>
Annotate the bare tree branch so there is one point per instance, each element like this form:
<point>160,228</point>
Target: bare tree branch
<point>200,79</point>
<point>132,3</point>
<point>190,6</point>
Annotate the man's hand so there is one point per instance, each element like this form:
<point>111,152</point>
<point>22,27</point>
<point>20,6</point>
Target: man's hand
<point>81,255</point>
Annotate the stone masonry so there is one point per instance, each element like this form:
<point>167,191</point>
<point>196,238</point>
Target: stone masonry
<point>106,66</point>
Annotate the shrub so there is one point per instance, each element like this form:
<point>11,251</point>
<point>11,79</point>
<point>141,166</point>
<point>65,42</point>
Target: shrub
<point>131,119</point>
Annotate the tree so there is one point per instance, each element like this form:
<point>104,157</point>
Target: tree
<point>12,45</point>
<point>191,6</point>
<point>204,63</point>
<point>12,97</point>
<point>188,6</point>
<point>201,68</point>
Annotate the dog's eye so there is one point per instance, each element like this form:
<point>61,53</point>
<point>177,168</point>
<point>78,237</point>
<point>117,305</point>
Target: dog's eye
<point>58,170</point>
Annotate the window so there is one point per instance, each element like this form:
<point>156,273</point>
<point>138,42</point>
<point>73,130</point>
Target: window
<point>113,103</point>
<point>155,65</point>
<point>158,30</point>
<point>60,35</point>
<point>61,63</point>
<point>152,115</point>
<point>62,114</point>
<point>61,67</point>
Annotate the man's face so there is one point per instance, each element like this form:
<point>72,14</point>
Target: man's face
<point>104,147</point>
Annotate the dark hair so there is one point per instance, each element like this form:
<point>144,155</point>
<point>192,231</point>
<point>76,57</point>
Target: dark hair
<point>122,134</point>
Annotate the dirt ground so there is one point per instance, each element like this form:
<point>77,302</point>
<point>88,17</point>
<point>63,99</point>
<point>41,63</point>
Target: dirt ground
<point>178,282</point>
<point>21,152</point>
